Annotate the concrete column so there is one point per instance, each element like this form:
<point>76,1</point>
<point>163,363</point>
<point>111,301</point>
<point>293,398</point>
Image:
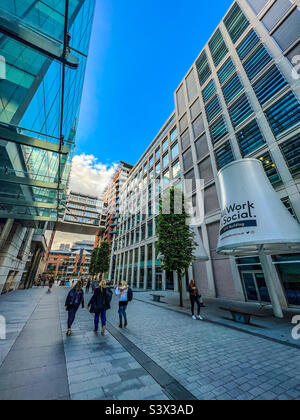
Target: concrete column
<point>270,284</point>
<point>5,232</point>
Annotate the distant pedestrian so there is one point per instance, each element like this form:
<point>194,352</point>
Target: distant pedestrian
<point>74,300</point>
<point>195,299</point>
<point>99,304</point>
<point>51,282</point>
<point>125,296</point>
<point>88,285</point>
<point>44,281</point>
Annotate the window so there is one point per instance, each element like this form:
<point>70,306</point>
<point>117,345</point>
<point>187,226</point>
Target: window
<point>157,168</point>
<point>166,160</point>
<point>288,267</point>
<point>151,162</point>
<point>176,170</point>
<point>250,138</point>
<point>257,62</point>
<point>209,91</point>
<point>203,68</point>
<point>289,206</point>
<point>166,178</point>
<point>224,155</point>
<point>289,31</point>
<point>213,108</point>
<point>198,126</point>
<point>174,151</point>
<point>165,144</point>
<point>201,147</point>
<point>276,13</point>
<point>270,169</point>
<point>180,100</point>
<point>173,134</point>
<point>232,88</point>
<point>258,5</point>
<point>206,171</point>
<point>218,47</point>
<point>185,140</point>
<point>150,229</point>
<point>284,114</point>
<point>269,84</point>
<point>157,154</point>
<point>226,71</point>
<point>191,86</point>
<point>291,152</point>
<point>247,45</point>
<point>187,160</point>
<point>240,110</point>
<point>190,186</point>
<point>195,109</point>
<point>236,23</point>
<point>218,130</point>
<point>183,123</point>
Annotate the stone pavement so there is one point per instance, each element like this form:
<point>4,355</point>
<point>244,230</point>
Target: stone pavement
<point>163,354</point>
<point>268,326</point>
<point>213,361</point>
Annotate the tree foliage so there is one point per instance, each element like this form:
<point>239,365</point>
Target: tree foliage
<point>103,258</point>
<point>175,243</point>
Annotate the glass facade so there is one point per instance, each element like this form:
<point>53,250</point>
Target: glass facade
<point>39,103</point>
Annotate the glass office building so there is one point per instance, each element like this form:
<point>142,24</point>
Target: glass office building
<point>240,99</point>
<point>44,47</point>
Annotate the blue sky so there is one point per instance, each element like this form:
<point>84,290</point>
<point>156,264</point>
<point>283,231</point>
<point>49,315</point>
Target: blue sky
<point>139,53</point>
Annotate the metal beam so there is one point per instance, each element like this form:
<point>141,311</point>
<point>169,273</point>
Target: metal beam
<point>11,135</point>
<point>35,204</point>
<point>12,179</point>
<point>15,216</point>
<point>26,36</point>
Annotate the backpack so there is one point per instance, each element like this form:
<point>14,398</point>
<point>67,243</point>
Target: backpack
<point>129,295</point>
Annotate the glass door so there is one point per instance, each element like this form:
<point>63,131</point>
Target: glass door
<point>255,287</point>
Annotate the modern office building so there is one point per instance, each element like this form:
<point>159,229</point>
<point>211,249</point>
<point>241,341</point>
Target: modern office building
<point>43,50</point>
<point>240,99</point>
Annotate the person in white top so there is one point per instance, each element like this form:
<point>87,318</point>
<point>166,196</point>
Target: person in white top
<point>122,292</point>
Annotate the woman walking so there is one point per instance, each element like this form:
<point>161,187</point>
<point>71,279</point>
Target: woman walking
<point>99,304</point>
<point>74,299</point>
<point>122,292</point>
<point>195,298</point>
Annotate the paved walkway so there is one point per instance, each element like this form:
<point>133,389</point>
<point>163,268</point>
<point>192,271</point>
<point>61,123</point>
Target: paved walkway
<point>163,354</point>
<point>268,326</point>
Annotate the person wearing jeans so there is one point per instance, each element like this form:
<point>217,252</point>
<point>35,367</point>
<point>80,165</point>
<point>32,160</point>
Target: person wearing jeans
<point>195,299</point>
<point>74,300</point>
<point>122,292</point>
<point>99,304</point>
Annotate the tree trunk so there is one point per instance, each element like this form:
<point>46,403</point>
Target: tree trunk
<point>180,288</point>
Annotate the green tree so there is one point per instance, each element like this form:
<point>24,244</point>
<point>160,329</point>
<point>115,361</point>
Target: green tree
<point>93,263</point>
<point>176,242</point>
<point>103,258</point>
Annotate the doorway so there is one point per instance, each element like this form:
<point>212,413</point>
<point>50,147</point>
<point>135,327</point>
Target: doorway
<point>158,281</point>
<point>255,287</point>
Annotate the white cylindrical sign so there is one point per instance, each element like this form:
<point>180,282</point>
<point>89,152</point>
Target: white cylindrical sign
<point>252,212</point>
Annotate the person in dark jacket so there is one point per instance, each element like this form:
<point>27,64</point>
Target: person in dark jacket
<point>74,300</point>
<point>195,298</point>
<point>99,304</point>
<point>88,285</point>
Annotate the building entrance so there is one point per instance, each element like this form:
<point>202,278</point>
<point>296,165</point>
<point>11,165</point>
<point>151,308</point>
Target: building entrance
<point>255,287</point>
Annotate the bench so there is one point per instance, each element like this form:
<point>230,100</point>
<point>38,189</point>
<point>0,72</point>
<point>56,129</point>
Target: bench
<point>157,298</point>
<point>242,317</point>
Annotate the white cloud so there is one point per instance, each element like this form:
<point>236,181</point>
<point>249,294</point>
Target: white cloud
<point>89,176</point>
